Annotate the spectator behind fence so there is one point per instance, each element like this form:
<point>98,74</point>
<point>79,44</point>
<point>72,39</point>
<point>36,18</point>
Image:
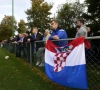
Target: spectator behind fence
<point>98,33</point>
<point>89,33</point>
<point>11,39</point>
<point>41,50</point>
<point>16,39</point>
<point>18,45</point>
<point>98,41</point>
<point>27,45</point>
<point>58,33</point>
<point>24,45</point>
<point>36,37</point>
<point>88,52</point>
<point>82,29</point>
<point>21,48</point>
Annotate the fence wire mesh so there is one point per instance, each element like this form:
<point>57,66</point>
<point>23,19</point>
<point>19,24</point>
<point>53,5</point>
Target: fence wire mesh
<point>92,59</point>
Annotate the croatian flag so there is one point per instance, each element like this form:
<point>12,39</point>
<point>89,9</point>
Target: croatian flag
<point>67,65</point>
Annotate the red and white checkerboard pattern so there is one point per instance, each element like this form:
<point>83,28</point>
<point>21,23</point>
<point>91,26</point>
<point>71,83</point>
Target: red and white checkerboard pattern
<point>60,61</point>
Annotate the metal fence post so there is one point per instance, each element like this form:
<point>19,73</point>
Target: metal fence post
<point>9,47</point>
<point>30,54</point>
<point>15,48</point>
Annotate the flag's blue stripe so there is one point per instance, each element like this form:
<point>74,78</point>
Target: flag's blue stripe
<point>70,76</point>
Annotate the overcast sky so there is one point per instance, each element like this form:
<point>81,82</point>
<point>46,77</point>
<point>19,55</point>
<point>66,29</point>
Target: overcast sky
<point>21,5</point>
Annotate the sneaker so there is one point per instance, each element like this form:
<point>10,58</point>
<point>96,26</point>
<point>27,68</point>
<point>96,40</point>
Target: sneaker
<point>41,65</point>
<point>37,63</point>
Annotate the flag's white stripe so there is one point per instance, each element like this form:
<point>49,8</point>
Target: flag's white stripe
<point>49,57</point>
<point>76,57</point>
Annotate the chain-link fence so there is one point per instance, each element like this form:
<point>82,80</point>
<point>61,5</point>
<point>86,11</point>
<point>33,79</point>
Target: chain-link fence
<point>26,52</point>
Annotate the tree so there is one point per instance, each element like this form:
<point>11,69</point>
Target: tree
<point>6,27</point>
<point>93,9</point>
<point>22,26</point>
<point>38,14</point>
<point>93,14</point>
<point>68,14</point>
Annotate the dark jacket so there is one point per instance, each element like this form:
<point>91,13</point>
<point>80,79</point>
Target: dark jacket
<point>25,43</point>
<point>38,38</point>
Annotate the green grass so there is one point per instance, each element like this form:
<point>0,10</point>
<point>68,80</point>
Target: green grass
<point>15,75</point>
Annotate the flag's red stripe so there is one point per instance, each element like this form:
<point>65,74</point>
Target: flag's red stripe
<point>51,46</point>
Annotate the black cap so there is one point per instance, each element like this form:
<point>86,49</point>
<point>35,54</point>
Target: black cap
<point>28,32</point>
